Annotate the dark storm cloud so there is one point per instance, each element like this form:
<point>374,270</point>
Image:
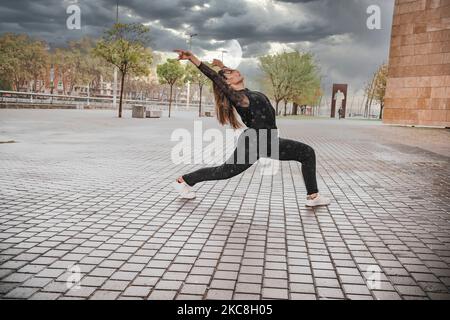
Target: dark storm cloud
<point>297,1</point>
<point>334,30</point>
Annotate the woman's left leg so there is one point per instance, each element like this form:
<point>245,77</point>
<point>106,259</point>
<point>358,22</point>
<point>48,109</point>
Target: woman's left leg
<point>291,150</point>
<point>231,168</point>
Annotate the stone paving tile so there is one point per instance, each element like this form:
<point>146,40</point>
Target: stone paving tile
<point>386,295</point>
<point>189,297</point>
<point>250,288</point>
<point>17,277</point>
<point>219,294</point>
<point>302,288</point>
<point>85,202</point>
<point>162,295</point>
<point>302,296</point>
<point>21,293</point>
<point>330,293</point>
<point>115,285</point>
<point>274,293</point>
<point>246,296</point>
<point>194,289</point>
<point>105,295</point>
<point>83,292</point>
<point>45,296</point>
<point>222,284</point>
<point>37,282</point>
<point>359,297</point>
<point>137,291</point>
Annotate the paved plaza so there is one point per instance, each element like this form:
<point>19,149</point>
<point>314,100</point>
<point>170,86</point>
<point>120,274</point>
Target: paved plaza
<point>87,211</point>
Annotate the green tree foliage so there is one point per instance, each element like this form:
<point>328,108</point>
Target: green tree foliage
<point>275,81</point>
<point>379,91</point>
<point>291,77</point>
<point>22,59</point>
<point>124,46</point>
<point>78,65</point>
<point>171,72</point>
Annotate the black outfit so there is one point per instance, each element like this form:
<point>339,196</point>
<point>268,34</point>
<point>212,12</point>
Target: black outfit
<point>259,116</point>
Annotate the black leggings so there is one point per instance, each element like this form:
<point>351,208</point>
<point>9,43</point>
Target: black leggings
<point>289,150</point>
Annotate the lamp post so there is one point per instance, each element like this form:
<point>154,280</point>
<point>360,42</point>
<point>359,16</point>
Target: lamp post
<point>115,68</point>
<point>191,35</point>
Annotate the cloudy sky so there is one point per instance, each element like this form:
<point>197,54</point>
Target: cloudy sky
<point>334,30</point>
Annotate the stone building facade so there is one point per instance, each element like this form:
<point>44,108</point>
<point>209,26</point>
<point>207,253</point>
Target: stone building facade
<point>418,86</point>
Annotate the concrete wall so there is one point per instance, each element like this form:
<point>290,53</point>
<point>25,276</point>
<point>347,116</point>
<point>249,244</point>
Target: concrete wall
<point>418,87</point>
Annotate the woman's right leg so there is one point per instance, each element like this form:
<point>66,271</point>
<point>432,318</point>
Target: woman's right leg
<point>291,150</point>
<point>294,150</point>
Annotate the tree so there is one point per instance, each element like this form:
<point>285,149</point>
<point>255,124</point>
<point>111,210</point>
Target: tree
<point>303,83</point>
<point>70,63</point>
<point>36,61</point>
<point>124,47</point>
<point>379,86</point>
<point>12,70</point>
<point>5,85</point>
<point>291,76</point>
<point>22,59</point>
<point>171,73</point>
<point>309,94</point>
<point>194,75</point>
<point>94,69</point>
<point>272,66</point>
<point>77,64</point>
<point>376,90</point>
<point>369,90</point>
<point>62,59</point>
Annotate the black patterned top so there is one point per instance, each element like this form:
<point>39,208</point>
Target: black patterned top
<point>258,114</point>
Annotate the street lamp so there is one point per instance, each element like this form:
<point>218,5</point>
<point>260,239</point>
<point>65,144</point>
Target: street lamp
<point>188,85</point>
<point>52,83</point>
<point>115,68</point>
<point>191,35</point>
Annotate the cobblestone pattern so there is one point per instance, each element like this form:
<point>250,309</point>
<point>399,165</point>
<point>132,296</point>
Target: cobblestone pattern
<point>96,198</point>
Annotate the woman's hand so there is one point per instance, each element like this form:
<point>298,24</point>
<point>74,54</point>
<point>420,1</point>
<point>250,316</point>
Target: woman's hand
<point>187,55</point>
<point>184,54</point>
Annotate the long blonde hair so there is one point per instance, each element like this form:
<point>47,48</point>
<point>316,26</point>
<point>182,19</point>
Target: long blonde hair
<point>225,112</point>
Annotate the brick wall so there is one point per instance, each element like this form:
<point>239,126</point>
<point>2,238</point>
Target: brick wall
<point>418,87</point>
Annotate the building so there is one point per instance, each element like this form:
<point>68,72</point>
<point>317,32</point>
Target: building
<point>418,86</point>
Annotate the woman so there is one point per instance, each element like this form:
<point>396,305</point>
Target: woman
<point>258,114</point>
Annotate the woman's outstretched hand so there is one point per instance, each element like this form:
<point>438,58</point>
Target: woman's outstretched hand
<point>184,54</point>
<point>187,55</point>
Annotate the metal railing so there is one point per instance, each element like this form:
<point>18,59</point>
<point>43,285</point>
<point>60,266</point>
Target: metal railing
<point>84,102</point>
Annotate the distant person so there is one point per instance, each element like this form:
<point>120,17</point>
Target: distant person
<point>258,114</point>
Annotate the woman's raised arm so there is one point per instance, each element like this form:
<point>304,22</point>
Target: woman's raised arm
<point>237,98</point>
